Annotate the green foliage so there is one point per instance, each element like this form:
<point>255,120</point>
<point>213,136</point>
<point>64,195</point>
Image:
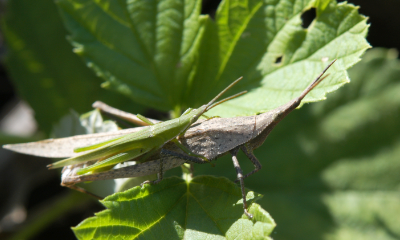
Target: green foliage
<point>45,71</point>
<point>335,164</point>
<point>165,55</point>
<point>203,208</point>
<point>170,57</point>
<point>92,122</point>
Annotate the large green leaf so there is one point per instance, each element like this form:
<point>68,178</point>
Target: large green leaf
<point>203,208</point>
<point>165,55</point>
<point>274,30</point>
<point>335,164</point>
<point>47,74</point>
<point>144,49</point>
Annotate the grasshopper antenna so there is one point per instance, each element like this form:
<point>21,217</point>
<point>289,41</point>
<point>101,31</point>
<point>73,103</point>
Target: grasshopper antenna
<point>224,91</point>
<point>226,99</point>
<point>316,81</point>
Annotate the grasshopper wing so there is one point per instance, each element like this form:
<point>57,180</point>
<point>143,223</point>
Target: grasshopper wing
<point>143,139</point>
<point>64,147</point>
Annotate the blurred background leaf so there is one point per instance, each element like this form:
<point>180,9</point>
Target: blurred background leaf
<point>335,164</point>
<point>45,71</point>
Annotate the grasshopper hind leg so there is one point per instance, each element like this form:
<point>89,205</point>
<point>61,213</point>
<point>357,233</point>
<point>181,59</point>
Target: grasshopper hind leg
<point>240,178</point>
<point>186,157</point>
<point>249,153</point>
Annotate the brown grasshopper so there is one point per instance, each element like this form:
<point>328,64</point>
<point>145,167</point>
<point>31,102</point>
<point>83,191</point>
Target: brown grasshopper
<point>209,138</point>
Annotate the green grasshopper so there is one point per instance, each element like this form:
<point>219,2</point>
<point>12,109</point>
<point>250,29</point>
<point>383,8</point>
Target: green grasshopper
<point>143,143</point>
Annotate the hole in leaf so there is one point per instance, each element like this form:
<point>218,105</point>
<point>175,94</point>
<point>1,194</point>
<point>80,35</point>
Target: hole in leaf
<point>307,17</point>
<point>210,7</point>
<point>278,59</point>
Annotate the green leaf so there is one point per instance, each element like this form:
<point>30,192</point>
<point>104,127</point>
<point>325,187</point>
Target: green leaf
<point>335,164</point>
<point>153,45</point>
<point>167,56</point>
<point>267,32</point>
<point>204,208</point>
<point>45,71</point>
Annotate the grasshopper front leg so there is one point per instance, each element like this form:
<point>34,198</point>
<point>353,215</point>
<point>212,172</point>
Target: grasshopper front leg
<point>240,178</point>
<point>160,175</point>
<point>165,152</point>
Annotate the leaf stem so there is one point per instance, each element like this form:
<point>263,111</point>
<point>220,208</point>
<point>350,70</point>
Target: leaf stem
<point>186,172</point>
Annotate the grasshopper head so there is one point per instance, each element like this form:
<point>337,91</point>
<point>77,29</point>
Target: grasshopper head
<point>280,112</point>
<point>191,115</point>
<point>198,112</point>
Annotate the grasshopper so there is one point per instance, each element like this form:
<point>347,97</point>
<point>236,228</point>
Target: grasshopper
<point>207,138</point>
<point>141,143</point>
<point>212,139</point>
